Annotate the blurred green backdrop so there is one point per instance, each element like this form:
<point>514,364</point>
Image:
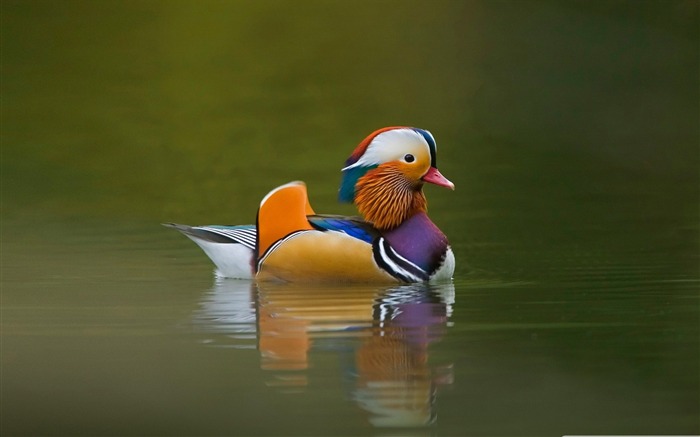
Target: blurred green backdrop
<point>180,110</point>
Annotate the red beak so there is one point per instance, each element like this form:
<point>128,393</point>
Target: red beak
<point>435,177</point>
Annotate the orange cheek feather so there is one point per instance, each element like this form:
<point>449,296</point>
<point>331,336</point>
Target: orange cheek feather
<point>412,171</point>
<point>386,196</point>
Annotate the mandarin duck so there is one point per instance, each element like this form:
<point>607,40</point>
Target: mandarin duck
<point>393,241</point>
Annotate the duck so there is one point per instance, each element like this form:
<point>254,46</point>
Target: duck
<point>392,240</point>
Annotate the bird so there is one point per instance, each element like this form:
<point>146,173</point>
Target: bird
<point>392,241</point>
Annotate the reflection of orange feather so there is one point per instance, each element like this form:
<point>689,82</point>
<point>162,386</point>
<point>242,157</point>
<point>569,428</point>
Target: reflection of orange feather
<point>394,381</point>
<point>284,341</point>
<point>282,212</point>
<point>387,357</point>
<point>290,315</point>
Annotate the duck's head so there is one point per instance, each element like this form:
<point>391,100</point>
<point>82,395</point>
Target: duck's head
<point>385,174</point>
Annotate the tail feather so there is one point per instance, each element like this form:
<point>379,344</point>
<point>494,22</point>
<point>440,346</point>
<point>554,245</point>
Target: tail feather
<point>244,235</point>
<point>231,248</point>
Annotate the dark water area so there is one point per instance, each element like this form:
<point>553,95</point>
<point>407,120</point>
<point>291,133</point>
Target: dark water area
<point>570,129</point>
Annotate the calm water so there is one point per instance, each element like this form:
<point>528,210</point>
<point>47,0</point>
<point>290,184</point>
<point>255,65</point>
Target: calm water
<point>569,128</point>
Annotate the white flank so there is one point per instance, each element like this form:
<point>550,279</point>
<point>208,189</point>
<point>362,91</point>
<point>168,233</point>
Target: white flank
<point>232,260</point>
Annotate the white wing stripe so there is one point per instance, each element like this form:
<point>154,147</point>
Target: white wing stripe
<point>393,252</point>
<point>393,266</point>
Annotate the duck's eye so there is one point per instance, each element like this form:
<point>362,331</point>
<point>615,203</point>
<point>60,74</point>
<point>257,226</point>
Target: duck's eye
<point>409,158</point>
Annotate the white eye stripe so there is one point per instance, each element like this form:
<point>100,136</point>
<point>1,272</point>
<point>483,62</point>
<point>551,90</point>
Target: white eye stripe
<point>391,146</point>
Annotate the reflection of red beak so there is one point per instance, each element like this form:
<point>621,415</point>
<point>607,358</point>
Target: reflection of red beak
<point>435,177</point>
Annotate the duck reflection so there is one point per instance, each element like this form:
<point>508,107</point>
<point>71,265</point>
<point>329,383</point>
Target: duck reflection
<point>381,335</point>
<point>395,381</point>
